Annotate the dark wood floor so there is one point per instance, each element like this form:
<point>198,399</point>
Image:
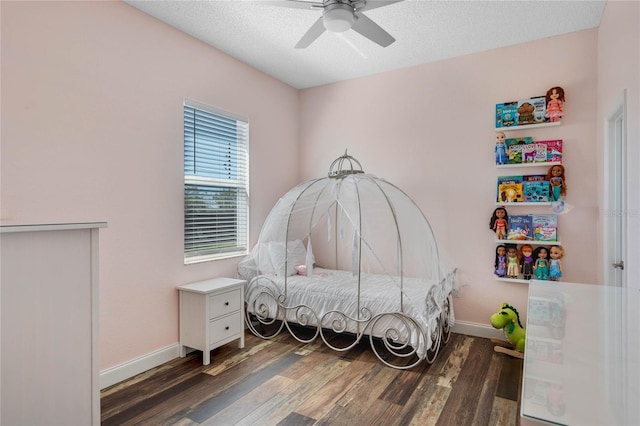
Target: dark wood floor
<point>283,382</point>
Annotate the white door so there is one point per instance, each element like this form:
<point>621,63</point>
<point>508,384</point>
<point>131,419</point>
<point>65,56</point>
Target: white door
<point>614,258</point>
<point>616,197</point>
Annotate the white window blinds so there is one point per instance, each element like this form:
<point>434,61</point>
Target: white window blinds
<point>215,184</point>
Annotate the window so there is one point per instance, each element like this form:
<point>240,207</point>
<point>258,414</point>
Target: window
<point>215,183</point>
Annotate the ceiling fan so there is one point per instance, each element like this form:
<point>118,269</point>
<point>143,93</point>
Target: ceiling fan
<point>339,16</point>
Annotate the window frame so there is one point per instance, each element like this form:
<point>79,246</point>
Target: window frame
<point>214,185</point>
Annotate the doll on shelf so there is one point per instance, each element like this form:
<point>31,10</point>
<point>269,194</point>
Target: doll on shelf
<point>500,149</point>
<point>500,264</point>
<point>512,262</point>
<point>555,99</point>
<point>557,181</point>
<point>541,264</point>
<point>556,253</point>
<point>499,222</point>
<point>525,255</point>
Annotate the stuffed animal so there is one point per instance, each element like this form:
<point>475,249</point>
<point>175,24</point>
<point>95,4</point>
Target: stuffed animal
<point>508,320</point>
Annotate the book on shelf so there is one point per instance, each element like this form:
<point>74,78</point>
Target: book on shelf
<point>545,227</point>
<point>527,151</point>
<point>523,188</point>
<point>536,191</point>
<point>541,153</point>
<point>534,178</point>
<point>515,147</point>
<point>506,114</point>
<point>553,150</point>
<point>519,228</point>
<point>521,113</point>
<point>504,183</point>
<point>510,192</point>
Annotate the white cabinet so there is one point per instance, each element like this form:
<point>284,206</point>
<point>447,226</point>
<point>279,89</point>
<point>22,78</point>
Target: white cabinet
<point>49,313</point>
<point>581,358</point>
<point>211,315</point>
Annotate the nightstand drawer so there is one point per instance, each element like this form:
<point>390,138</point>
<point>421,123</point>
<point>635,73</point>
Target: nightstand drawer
<point>226,327</point>
<point>224,303</point>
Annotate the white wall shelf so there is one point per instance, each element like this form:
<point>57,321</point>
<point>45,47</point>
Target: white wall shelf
<point>530,242</point>
<point>512,166</point>
<point>512,280</point>
<point>523,203</point>
<point>527,127</point>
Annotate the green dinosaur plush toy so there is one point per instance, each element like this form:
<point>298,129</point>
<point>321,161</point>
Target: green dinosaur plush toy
<point>508,319</point>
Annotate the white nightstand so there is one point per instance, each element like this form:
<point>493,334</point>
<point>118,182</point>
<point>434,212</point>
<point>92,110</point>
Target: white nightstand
<point>211,315</point>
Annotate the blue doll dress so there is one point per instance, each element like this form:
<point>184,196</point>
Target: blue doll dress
<point>554,270</point>
<point>501,153</point>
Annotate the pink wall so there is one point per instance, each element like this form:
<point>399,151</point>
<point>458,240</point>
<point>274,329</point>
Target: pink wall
<point>92,98</point>
<point>429,129</point>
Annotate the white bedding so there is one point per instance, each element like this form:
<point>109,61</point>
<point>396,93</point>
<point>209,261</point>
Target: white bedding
<point>332,290</point>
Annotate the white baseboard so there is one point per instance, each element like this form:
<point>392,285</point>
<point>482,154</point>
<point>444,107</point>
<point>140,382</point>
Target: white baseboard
<point>124,371</point>
<point>477,330</point>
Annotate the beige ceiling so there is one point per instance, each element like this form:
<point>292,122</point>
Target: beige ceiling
<point>264,36</point>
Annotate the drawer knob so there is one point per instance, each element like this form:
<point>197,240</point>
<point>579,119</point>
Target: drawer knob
<point>226,328</point>
<point>226,303</point>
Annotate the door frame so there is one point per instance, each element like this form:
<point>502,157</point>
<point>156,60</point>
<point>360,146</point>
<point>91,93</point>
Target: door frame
<point>615,223</point>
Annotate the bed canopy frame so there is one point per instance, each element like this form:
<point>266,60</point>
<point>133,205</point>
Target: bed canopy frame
<point>361,227</point>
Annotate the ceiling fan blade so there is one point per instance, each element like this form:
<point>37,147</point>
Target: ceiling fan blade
<point>375,4</point>
<point>310,36</point>
<point>372,31</point>
<point>293,4</point>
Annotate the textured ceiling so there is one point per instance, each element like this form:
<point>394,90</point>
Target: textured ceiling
<point>264,36</point>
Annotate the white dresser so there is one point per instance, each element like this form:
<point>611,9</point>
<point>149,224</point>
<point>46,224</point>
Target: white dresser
<point>49,313</point>
<point>211,315</point>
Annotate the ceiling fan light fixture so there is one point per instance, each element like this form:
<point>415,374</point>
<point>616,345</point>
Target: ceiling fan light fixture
<point>338,18</point>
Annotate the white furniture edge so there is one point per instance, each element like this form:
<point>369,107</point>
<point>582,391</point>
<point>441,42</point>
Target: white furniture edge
<point>8,227</point>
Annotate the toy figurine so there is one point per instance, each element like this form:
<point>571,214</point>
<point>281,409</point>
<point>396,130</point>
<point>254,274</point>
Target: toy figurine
<point>512,262</point>
<point>555,99</point>
<point>500,149</point>
<point>557,181</point>
<point>508,319</point>
<point>526,260</point>
<point>500,265</point>
<point>499,222</point>
<point>555,264</point>
<point>541,265</point>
